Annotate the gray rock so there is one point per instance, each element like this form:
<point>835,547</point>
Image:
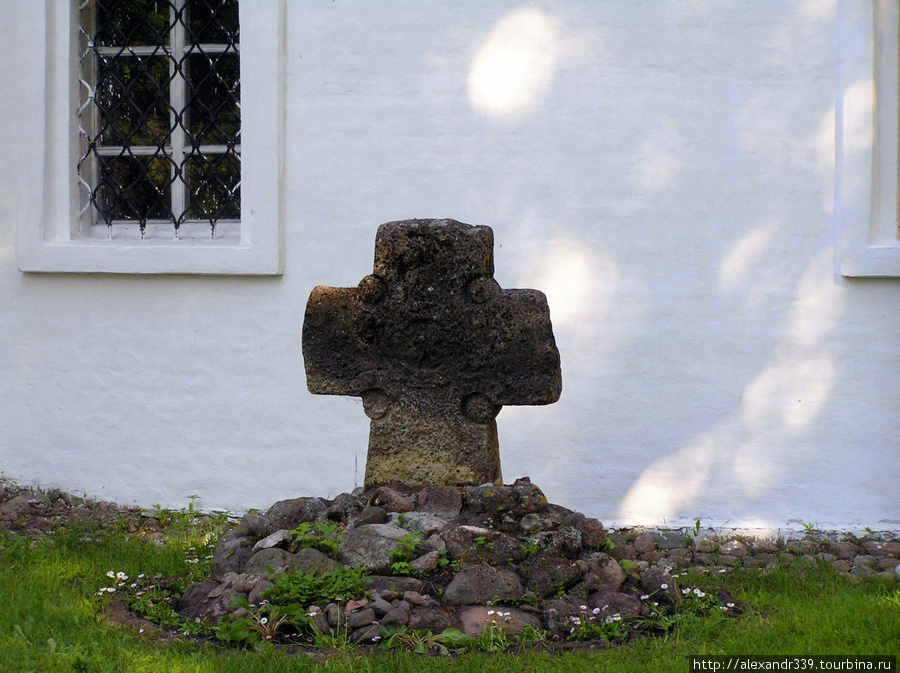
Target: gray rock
<point>733,548</point>
<point>610,574</point>
<point>520,498</point>
<point>472,544</point>
<point>660,586</point>
<point>254,526</point>
<point>426,563</point>
<point>592,533</point>
<point>550,575</point>
<point>424,523</point>
<point>255,597</point>
<point>364,617</point>
<point>240,582</point>
<point>396,616</point>
<point>563,542</point>
<point>313,561</point>
<point>365,634</point>
<point>671,540</point>
<point>344,507</point>
<point>33,502</point>
<point>291,513</point>
<point>482,584</point>
<point>272,561</point>
<point>391,500</point>
<point>611,603</point>
<point>434,619</point>
<point>208,601</point>
<point>277,539</point>
<point>385,583</point>
<point>866,560</point>
<point>371,515</point>
<point>476,618</point>
<point>231,555</point>
<point>644,543</point>
<point>381,607</point>
<point>442,501</point>
<point>370,546</point>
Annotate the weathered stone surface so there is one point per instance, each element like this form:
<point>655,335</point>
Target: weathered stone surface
<point>519,498</point>
<point>481,584</point>
<point>255,597</point>
<point>362,618</point>
<point>271,561</point>
<point>391,500</point>
<point>423,523</point>
<point>385,583</point>
<point>563,542</point>
<point>208,601</point>
<point>432,618</point>
<point>370,546</point>
<point>442,501</point>
<point>476,618</point>
<point>434,347</point>
<point>27,503</point>
<point>344,507</point>
<point>289,514</point>
<point>371,515</point>
<point>313,561</point>
<point>277,539</point>
<point>232,553</point>
<point>611,603</point>
<point>473,544</point>
<point>608,573</point>
<point>550,575</point>
<point>660,585</point>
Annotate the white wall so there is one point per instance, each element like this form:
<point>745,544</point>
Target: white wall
<point>664,171</point>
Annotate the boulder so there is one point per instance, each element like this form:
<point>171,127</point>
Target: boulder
<point>370,546</point>
<point>442,501</point>
<point>482,584</point>
<point>550,575</point>
<point>291,513</point>
<point>476,618</point>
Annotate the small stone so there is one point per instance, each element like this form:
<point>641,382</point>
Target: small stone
<point>531,523</point>
<point>424,523</point>
<point>387,585</point>
<point>613,603</point>
<point>395,616</point>
<point>313,561</point>
<point>381,607</point>
<point>434,619</point>
<point>865,560</point>
<point>442,501</point>
<point>391,500</point>
<point>563,542</point>
<point>343,507</point>
<point>644,543</point>
<point>272,561</point>
<point>362,618</point>
<point>367,634</point>
<point>333,614</point>
<point>353,606</point>
<point>413,598</point>
<point>844,550</point>
<point>842,566</point>
<point>426,563</point>
<point>279,538</point>
<point>550,575</point>
<point>371,515</point>
<point>733,548</point>
<point>370,546</point>
<point>291,513</point>
<point>261,586</point>
<point>671,540</point>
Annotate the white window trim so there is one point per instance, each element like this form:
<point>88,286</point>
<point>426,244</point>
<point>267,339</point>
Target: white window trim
<point>54,243</point>
<point>867,137</point>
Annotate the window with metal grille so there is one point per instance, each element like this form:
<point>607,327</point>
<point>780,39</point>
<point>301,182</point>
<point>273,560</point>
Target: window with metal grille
<point>160,118</point>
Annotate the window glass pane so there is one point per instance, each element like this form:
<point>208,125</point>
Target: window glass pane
<point>132,100</point>
<point>123,23</point>
<point>215,185</point>
<point>134,188</point>
<point>214,115</point>
<point>213,21</point>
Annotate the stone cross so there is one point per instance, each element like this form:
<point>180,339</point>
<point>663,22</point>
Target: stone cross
<point>434,347</point>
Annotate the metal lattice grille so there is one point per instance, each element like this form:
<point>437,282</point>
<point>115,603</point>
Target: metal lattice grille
<point>160,116</point>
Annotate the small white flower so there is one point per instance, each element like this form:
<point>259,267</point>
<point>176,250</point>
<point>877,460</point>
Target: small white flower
<point>596,611</point>
<point>644,597</point>
<point>663,586</point>
<point>110,590</point>
<point>490,612</point>
<point>685,592</point>
<point>698,593</point>
<point>111,574</point>
<point>729,605</point>
<point>141,576</point>
<point>721,570</point>
<point>263,621</point>
<point>121,576</point>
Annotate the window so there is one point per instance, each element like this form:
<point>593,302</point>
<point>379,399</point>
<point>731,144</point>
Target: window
<point>159,117</point>
<point>867,149</point>
<point>162,144</point>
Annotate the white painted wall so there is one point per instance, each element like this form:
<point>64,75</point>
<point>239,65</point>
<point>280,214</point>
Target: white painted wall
<point>664,171</point>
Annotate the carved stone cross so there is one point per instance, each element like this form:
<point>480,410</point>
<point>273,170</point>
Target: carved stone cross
<point>434,347</point>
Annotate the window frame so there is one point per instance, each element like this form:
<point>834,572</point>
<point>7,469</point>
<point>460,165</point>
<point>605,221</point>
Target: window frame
<point>57,243</point>
<point>867,139</point>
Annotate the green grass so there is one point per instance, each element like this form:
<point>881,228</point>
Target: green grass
<point>51,619</point>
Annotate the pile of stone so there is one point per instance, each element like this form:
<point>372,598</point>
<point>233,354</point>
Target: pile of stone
<point>514,560</point>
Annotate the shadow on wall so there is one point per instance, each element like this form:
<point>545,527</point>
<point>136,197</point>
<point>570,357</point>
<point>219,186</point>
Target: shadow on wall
<point>708,285</point>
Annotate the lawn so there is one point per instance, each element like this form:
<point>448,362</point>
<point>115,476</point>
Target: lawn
<point>54,618</point>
